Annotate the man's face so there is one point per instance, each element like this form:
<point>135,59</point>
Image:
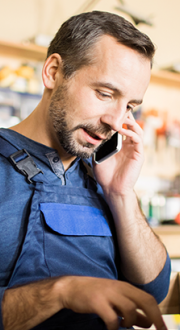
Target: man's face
<point>89,107</point>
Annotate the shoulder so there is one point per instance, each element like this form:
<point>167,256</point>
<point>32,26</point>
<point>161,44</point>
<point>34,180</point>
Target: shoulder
<point>15,200</point>
<point>11,180</point>
<point>15,195</point>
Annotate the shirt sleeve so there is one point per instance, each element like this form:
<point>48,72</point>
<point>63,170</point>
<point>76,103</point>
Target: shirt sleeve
<point>159,287</point>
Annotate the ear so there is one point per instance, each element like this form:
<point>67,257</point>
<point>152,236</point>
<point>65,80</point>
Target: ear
<point>51,69</point>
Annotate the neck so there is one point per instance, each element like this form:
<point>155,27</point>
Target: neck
<point>38,127</point>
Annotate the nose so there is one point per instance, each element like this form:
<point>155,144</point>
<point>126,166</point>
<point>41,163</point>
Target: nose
<point>114,117</point>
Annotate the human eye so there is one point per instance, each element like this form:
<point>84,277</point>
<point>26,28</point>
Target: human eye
<point>130,108</point>
<point>103,95</point>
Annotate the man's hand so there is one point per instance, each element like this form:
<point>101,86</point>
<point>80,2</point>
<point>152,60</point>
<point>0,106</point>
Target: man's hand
<point>111,299</point>
<point>25,307</point>
<point>142,254</point>
<point>118,174</point>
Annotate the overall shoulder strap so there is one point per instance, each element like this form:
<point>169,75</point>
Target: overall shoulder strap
<point>88,169</point>
<point>20,159</point>
<point>89,175</point>
<point>6,148</point>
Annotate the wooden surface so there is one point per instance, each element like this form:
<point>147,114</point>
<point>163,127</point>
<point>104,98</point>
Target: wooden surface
<point>171,304</point>
<point>28,51</point>
<point>35,52</point>
<point>170,236</point>
<point>166,78</point>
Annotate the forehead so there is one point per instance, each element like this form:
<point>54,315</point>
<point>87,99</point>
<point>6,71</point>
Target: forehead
<point>108,51</point>
<point>118,65</point>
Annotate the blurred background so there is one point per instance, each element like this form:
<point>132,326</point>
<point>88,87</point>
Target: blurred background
<point>26,28</point>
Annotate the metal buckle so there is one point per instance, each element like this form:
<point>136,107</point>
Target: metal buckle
<point>24,164</point>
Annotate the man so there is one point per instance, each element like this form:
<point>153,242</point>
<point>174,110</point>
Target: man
<point>77,253</point>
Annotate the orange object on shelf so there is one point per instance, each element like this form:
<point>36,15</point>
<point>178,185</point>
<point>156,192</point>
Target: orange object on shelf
<point>140,123</point>
<point>162,130</point>
<point>177,218</point>
<point>124,126</point>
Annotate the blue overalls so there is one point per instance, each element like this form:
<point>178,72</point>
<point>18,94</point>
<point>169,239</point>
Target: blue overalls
<point>69,233</point>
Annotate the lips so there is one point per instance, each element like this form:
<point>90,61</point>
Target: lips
<point>93,135</point>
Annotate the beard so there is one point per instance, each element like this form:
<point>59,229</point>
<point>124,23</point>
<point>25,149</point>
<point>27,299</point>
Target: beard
<point>59,109</point>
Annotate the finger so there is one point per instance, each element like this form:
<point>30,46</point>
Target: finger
<point>132,120</point>
<point>109,316</point>
<point>131,136</point>
<point>132,133</point>
<point>154,315</point>
<point>130,115</point>
<point>134,126</point>
<point>142,321</point>
<point>128,312</point>
<point>148,305</point>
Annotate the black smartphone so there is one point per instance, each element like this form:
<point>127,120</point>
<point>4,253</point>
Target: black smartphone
<point>109,148</point>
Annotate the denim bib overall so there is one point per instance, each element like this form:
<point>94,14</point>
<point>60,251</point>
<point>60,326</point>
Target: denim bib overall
<point>69,233</point>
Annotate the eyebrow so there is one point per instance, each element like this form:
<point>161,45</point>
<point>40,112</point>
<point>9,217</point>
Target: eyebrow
<point>115,90</point>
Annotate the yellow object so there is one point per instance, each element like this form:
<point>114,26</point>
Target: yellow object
<point>8,81</point>
<point>5,72</point>
<point>25,71</point>
<point>177,318</point>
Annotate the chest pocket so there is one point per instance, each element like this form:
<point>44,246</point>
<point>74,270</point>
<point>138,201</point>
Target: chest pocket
<point>77,240</point>
<point>75,220</point>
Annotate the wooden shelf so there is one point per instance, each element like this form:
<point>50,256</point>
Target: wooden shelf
<point>38,53</point>
<point>170,236</point>
<point>25,51</point>
<point>166,78</point>
<point>167,229</point>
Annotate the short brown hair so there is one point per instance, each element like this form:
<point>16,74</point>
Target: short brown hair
<point>76,37</point>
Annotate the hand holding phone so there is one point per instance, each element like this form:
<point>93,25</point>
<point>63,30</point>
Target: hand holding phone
<point>109,148</point>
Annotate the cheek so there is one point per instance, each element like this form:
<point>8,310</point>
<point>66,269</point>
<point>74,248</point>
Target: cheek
<point>86,104</point>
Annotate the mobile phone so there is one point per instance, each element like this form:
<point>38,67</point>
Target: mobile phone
<point>109,148</point>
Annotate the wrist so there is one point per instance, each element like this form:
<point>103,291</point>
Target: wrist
<point>61,290</point>
<point>124,207</point>
<point>122,199</point>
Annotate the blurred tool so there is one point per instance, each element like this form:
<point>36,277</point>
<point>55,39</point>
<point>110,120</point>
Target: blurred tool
<point>174,67</point>
<point>137,19</point>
